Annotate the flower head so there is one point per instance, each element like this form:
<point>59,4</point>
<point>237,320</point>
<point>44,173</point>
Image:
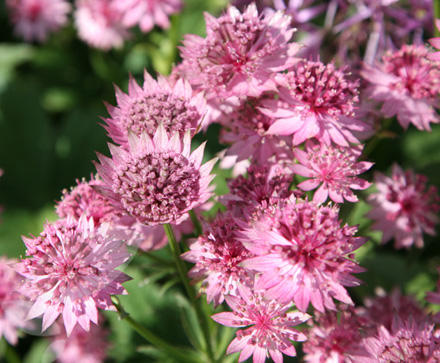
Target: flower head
<point>316,101</point>
<point>142,110</point>
<point>99,24</point>
<point>334,168</point>
<point>404,207</point>
<point>13,305</point>
<point>217,255</point>
<point>407,84</point>
<point>305,256</point>
<point>157,180</point>
<point>241,52</point>
<point>36,19</point>
<point>71,271</point>
<point>271,327</point>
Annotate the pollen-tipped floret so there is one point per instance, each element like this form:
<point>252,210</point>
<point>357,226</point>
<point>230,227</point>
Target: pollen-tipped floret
<point>157,180</point>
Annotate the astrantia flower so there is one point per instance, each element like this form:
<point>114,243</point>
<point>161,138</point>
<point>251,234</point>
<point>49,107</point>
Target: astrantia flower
<point>142,110</point>
<point>306,257</point>
<point>435,42</point>
<point>404,207</point>
<point>407,84</point>
<point>13,305</point>
<point>157,180</point>
<point>335,337</point>
<point>241,52</point>
<point>334,168</point>
<point>406,342</point>
<point>316,101</point>
<point>147,13</point>
<point>217,255</point>
<point>271,326</point>
<point>36,19</point>
<point>71,271</point>
<point>99,23</point>
<point>81,346</point>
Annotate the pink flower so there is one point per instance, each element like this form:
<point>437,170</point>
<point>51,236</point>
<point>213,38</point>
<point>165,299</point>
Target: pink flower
<point>217,255</point>
<point>81,346</point>
<point>13,305</point>
<point>316,101</point>
<point>406,83</point>
<point>36,19</point>
<point>334,168</point>
<point>271,329</point>
<point>147,13</point>
<point>241,53</point>
<point>435,42</point>
<point>157,180</point>
<point>404,208</point>
<point>306,257</point>
<point>99,24</point>
<point>335,337</point>
<point>142,110</point>
<point>71,272</point>
<point>407,341</point>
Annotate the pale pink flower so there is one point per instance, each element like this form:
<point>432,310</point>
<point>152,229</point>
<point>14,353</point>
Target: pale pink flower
<point>271,329</point>
<point>404,207</point>
<point>36,19</point>
<point>81,346</point>
<point>172,103</point>
<point>406,83</point>
<point>99,24</point>
<point>335,337</point>
<point>13,305</point>
<point>71,271</point>
<point>316,101</point>
<point>148,13</point>
<point>435,42</point>
<point>241,53</point>
<point>407,341</point>
<point>157,180</point>
<point>333,168</point>
<point>217,255</point>
<point>307,255</point>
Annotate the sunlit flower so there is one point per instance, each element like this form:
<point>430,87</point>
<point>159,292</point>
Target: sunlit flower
<point>307,255</point>
<point>271,326</point>
<point>406,83</point>
<point>316,101</point>
<point>157,180</point>
<point>71,271</point>
<point>404,207</point>
<point>99,24</point>
<point>333,168</point>
<point>36,19</point>
<point>13,305</point>
<point>241,52</point>
<point>142,110</point>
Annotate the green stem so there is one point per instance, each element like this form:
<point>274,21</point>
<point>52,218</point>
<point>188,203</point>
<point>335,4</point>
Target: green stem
<point>183,272</point>
<point>149,336</point>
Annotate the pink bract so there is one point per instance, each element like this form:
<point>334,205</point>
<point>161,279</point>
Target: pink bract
<point>304,255</point>
<point>148,13</point>
<point>406,83</point>
<point>241,53</point>
<point>271,330</point>
<point>13,305</point>
<point>435,42</point>
<point>71,271</point>
<point>157,180</point>
<point>333,168</point>
<point>172,103</point>
<point>36,19</point>
<point>316,101</point>
<point>404,207</point>
<point>99,24</point>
